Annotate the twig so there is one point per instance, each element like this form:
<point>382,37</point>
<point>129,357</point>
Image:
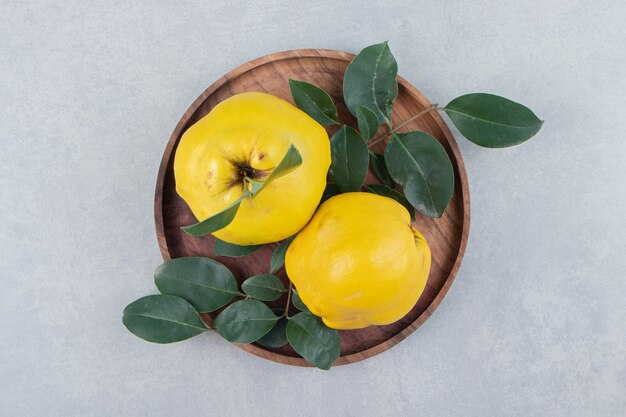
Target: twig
<point>289,291</point>
<point>404,123</point>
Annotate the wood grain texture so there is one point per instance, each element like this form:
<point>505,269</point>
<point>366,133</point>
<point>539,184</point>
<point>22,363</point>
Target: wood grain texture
<point>447,235</point>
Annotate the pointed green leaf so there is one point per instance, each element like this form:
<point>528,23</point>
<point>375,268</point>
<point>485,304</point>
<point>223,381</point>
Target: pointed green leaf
<point>368,122</point>
<point>350,159</point>
<point>264,287</point>
<point>205,283</point>
<point>391,193</point>
<point>370,81</point>
<point>314,101</point>
<point>380,169</point>
<point>290,161</point>
<point>278,256</point>
<point>217,221</point>
<point>221,248</point>
<point>297,301</point>
<point>277,336</point>
<point>162,319</point>
<point>245,321</point>
<point>313,340</point>
<point>492,121</point>
<point>419,163</point>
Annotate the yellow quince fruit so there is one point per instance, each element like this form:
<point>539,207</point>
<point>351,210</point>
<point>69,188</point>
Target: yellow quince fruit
<point>359,262</point>
<point>246,136</point>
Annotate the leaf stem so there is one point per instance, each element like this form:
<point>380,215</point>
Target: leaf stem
<point>290,291</point>
<point>379,139</point>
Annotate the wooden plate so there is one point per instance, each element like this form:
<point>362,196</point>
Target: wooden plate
<point>447,236</point>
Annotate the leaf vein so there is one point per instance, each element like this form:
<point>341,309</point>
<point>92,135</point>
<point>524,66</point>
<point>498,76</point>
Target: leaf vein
<point>420,171</point>
<point>200,285</point>
<point>167,320</point>
<point>491,121</point>
<point>326,348</point>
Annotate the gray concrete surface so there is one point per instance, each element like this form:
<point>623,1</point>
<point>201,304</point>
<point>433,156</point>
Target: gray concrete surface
<point>534,324</point>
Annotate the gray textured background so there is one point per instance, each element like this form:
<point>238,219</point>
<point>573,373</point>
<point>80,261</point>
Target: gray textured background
<point>89,94</point>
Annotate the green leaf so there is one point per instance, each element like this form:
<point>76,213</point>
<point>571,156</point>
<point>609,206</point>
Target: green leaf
<point>221,248</point>
<point>391,193</point>
<point>350,159</point>
<point>205,283</point>
<point>297,301</point>
<point>368,122</point>
<point>380,169</point>
<point>331,190</point>
<point>245,321</point>
<point>276,337</point>
<point>419,163</point>
<point>290,161</point>
<point>314,101</point>
<point>313,340</point>
<point>264,287</point>
<point>370,81</point>
<point>162,319</point>
<point>278,256</point>
<point>217,221</point>
<point>492,121</point>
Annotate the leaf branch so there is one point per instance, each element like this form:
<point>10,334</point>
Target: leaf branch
<point>289,291</point>
<point>432,107</point>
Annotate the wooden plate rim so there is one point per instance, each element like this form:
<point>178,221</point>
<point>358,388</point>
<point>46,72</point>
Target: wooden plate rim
<point>346,57</point>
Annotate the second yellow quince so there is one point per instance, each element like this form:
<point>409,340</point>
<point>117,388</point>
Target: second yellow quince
<point>359,262</point>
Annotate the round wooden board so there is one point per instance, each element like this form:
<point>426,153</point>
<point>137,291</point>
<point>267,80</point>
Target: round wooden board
<point>447,235</point>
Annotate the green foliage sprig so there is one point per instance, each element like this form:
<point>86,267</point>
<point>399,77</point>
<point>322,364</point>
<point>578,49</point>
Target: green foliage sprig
<point>193,285</point>
<point>414,160</point>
